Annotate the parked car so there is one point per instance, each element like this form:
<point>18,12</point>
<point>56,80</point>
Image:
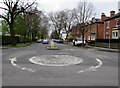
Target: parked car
<point>78,41</point>
<point>60,41</point>
<point>45,41</point>
<point>54,40</point>
<point>39,40</point>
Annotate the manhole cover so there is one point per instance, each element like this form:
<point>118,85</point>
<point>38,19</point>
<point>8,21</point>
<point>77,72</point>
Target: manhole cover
<point>55,60</point>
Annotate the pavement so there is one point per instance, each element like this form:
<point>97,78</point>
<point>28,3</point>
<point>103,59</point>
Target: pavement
<point>98,48</point>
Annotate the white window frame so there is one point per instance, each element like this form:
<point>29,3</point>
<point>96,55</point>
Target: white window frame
<point>117,22</point>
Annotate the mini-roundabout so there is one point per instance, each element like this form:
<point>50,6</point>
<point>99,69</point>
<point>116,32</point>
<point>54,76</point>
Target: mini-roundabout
<point>56,60</point>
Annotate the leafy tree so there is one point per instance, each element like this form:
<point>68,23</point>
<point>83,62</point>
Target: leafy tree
<point>4,27</point>
<point>21,27</point>
<point>13,9</point>
<point>37,24</point>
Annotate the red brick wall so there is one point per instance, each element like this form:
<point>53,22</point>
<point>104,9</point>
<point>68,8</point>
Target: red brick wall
<point>99,31</point>
<point>96,30</point>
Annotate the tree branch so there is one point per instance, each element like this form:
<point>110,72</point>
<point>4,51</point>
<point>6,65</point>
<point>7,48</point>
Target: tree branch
<point>5,18</point>
<point>4,8</point>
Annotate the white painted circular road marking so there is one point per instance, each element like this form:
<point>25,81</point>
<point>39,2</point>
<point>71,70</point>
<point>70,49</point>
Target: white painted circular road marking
<point>55,60</point>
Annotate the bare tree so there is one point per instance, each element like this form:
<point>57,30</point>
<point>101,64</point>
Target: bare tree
<point>68,20</point>
<point>13,9</point>
<point>57,19</point>
<point>62,20</point>
<point>83,14</point>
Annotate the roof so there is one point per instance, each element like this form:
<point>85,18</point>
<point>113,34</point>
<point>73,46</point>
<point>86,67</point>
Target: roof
<point>116,16</point>
<point>96,20</point>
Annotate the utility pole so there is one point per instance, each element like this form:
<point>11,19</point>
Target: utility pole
<point>109,39</point>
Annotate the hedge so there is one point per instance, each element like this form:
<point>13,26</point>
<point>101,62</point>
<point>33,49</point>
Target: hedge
<point>107,40</point>
<point>6,40</point>
<point>92,42</point>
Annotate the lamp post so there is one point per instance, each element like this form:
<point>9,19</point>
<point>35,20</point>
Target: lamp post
<point>109,38</point>
<point>109,34</point>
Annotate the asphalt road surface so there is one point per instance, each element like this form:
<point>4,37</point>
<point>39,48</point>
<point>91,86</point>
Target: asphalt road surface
<point>69,66</point>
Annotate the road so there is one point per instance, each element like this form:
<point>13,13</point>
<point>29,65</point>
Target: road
<point>59,67</point>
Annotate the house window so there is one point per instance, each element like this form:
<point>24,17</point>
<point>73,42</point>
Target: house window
<point>116,34</point>
<point>113,34</point>
<point>117,22</point>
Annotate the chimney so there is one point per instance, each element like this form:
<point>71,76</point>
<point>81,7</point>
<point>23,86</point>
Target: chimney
<point>103,16</point>
<point>112,13</point>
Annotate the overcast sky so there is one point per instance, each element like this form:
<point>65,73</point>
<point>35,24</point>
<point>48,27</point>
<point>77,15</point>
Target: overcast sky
<point>54,5</point>
<point>100,5</point>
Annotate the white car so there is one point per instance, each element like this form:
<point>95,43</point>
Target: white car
<point>78,41</point>
<point>45,41</point>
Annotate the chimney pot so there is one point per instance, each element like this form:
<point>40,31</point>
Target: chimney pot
<point>112,13</point>
<point>103,16</point>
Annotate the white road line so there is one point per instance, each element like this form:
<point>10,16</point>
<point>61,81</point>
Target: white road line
<point>13,62</point>
<point>99,63</point>
<point>92,68</point>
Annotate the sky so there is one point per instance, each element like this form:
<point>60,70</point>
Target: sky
<point>100,6</point>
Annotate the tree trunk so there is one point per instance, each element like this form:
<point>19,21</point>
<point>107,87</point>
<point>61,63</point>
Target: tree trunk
<point>83,39</point>
<point>33,37</point>
<point>12,32</point>
<point>67,36</point>
<point>24,38</point>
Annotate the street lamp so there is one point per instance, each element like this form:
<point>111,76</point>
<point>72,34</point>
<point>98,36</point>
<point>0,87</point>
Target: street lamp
<point>109,37</point>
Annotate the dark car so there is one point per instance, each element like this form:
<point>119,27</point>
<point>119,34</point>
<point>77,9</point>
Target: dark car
<point>45,41</point>
<point>39,40</point>
<point>54,40</point>
<point>60,41</point>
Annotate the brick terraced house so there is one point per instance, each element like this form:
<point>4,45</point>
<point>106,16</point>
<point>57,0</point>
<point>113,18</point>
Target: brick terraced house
<point>112,25</point>
<point>104,28</point>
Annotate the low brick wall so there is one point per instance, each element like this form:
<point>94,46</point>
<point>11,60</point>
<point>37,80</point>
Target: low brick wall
<point>105,45</point>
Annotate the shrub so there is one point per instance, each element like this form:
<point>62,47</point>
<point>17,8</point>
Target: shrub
<point>21,39</point>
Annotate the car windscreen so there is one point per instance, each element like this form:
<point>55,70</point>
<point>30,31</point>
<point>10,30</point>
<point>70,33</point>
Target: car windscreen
<point>45,40</point>
<point>79,39</point>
